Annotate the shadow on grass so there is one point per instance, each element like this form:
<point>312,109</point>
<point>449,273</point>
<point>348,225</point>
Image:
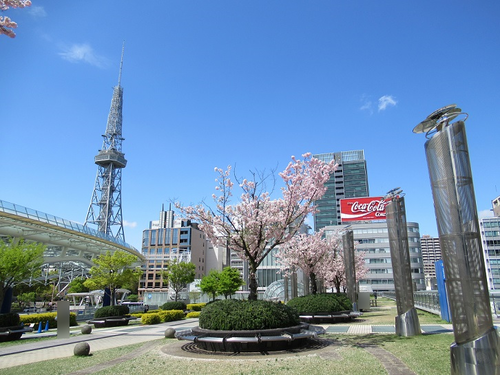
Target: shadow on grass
<point>362,340</point>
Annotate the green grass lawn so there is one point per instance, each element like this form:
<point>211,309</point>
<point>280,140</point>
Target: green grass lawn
<point>423,354</point>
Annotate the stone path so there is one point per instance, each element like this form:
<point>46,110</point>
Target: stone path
<point>391,363</point>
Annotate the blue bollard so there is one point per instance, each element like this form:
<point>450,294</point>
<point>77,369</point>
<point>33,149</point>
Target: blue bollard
<point>47,326</point>
<point>39,327</point>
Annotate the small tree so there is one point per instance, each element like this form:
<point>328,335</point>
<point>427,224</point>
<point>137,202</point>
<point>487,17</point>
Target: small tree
<point>179,275</point>
<point>113,271</point>
<point>19,261</point>
<point>25,299</point>
<point>209,284</point>
<point>229,281</point>
<point>77,285</point>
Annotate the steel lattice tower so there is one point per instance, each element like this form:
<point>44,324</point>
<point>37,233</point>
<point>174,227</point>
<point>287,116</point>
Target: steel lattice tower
<point>105,208</point>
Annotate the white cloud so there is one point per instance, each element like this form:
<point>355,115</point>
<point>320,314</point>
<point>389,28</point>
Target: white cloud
<point>37,11</point>
<point>386,101</point>
<point>128,224</point>
<point>367,104</point>
<point>83,53</point>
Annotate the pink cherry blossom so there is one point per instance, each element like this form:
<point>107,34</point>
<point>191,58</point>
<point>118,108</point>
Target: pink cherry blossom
<point>6,24</point>
<point>255,225</point>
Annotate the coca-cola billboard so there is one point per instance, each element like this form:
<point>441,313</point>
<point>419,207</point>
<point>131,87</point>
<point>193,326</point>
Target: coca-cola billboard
<point>362,209</point>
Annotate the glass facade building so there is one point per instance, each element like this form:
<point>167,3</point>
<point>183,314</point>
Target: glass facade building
<point>348,181</point>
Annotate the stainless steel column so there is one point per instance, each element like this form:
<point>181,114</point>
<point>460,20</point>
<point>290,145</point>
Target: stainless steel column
<point>407,323</point>
<point>476,348</point>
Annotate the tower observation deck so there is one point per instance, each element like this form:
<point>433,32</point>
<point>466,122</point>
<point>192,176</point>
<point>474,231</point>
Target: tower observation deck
<point>105,209</point>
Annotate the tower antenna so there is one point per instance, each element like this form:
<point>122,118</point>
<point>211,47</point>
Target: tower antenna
<point>121,65</point>
<point>105,209</point>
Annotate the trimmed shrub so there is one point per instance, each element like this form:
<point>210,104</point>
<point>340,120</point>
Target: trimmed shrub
<point>172,305</point>
<point>193,314</point>
<point>195,306</point>
<point>247,315</point>
<point>51,317</point>
<point>171,315</point>
<point>9,320</point>
<point>106,311</point>
<point>321,303</point>
<point>153,318</point>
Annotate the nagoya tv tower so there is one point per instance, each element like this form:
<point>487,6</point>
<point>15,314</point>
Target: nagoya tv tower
<point>105,208</point>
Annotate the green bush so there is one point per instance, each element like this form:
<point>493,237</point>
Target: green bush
<point>321,303</point>
<point>172,305</point>
<point>247,315</point>
<point>118,310</point>
<point>193,314</point>
<point>9,320</point>
<point>151,318</point>
<point>195,306</point>
<point>171,315</point>
<point>50,317</point>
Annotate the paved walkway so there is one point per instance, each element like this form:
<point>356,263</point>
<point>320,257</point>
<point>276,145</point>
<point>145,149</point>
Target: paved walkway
<point>106,338</point>
<point>99,339</point>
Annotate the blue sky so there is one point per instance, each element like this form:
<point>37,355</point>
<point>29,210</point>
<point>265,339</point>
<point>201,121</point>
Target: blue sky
<point>246,83</point>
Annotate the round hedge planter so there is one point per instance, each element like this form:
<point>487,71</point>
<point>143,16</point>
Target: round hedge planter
<point>11,333</point>
<point>260,340</point>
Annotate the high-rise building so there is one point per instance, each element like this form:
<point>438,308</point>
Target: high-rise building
<point>169,239</point>
<point>490,237</point>
<point>431,253</point>
<point>348,181</point>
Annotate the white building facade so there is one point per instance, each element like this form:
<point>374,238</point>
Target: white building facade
<point>372,238</point>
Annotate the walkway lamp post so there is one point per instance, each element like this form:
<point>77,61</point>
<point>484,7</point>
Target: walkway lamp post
<point>476,349</point>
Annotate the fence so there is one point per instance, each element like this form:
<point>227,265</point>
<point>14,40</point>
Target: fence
<point>429,301</point>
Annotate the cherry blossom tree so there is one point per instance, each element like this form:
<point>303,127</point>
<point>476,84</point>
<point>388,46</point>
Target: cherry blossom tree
<point>334,273</point>
<point>310,252</point>
<point>257,224</point>
<point>6,24</point>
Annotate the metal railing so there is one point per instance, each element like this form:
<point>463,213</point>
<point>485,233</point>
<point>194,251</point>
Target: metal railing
<point>15,209</point>
<point>429,301</point>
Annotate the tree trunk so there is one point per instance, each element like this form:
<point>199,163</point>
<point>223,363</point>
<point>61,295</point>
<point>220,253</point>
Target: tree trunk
<point>5,300</point>
<point>252,285</point>
<point>313,286</point>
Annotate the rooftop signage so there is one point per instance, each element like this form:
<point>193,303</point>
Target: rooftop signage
<point>363,209</point>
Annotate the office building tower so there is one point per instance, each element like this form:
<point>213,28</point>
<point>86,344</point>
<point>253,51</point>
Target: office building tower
<point>431,253</point>
<point>348,181</point>
<point>490,237</point>
<point>170,239</point>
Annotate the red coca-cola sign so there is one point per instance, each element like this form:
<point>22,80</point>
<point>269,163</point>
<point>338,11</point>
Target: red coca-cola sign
<point>362,209</point>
